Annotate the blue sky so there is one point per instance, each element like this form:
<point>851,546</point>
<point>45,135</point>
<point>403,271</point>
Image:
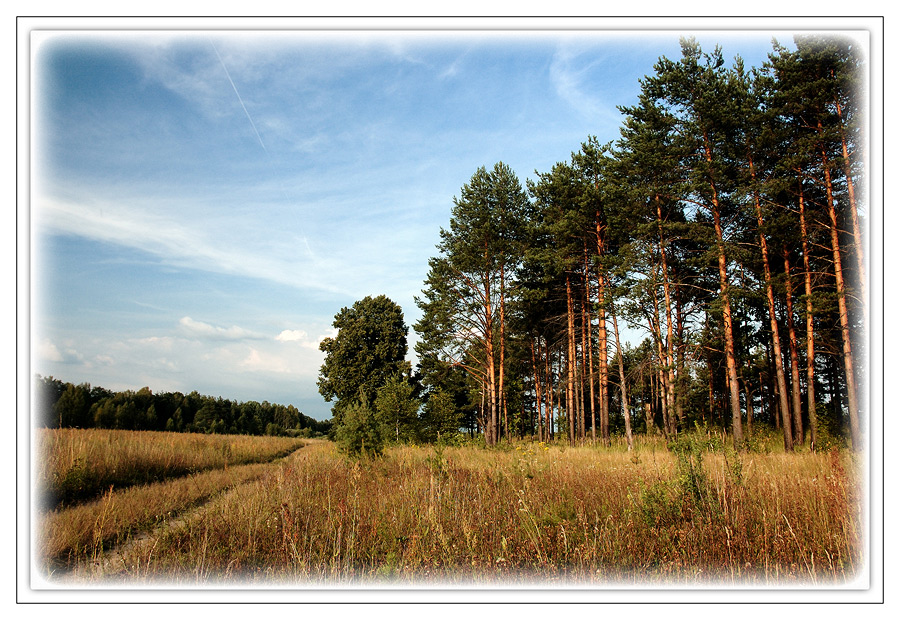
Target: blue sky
<point>204,203</point>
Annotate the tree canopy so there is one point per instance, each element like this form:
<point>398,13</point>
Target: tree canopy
<point>725,224</point>
<point>368,351</point>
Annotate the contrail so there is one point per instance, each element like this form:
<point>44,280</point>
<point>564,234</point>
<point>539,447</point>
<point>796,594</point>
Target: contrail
<point>228,75</point>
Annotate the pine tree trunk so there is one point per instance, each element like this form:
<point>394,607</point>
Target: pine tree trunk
<point>670,335</point>
<point>625,411</point>
<point>854,214</point>
<point>730,358</point>
<point>796,401</point>
<point>602,349</point>
<point>852,403</point>
<point>665,388</point>
<point>810,334</point>
<point>492,422</point>
<point>537,392</point>
<point>679,357</point>
<point>579,393</point>
<point>590,347</point>
<point>482,418</point>
<point>548,368</point>
<point>748,398</point>
<point>584,361</point>
<point>570,361</point>
<point>773,323</point>
<point>763,409</point>
<point>501,392</point>
<point>592,380</point>
<point>648,406</point>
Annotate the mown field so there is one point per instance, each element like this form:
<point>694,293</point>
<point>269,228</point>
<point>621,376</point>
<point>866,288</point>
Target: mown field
<point>527,513</point>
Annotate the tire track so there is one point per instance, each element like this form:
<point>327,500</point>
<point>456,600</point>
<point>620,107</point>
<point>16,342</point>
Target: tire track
<point>111,563</point>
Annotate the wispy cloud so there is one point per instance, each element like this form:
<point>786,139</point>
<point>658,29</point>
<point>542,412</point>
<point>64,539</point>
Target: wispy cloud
<point>573,76</point>
<point>300,337</point>
<point>291,335</point>
<point>199,329</point>
<point>263,362</point>
<point>226,245</point>
<point>48,351</point>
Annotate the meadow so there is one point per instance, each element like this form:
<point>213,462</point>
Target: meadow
<point>526,513</point>
<point>73,465</point>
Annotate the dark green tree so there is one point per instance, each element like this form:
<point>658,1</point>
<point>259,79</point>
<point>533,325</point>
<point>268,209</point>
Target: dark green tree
<point>360,432</point>
<point>470,284</point>
<point>368,350</point>
<point>441,417</point>
<point>73,406</point>
<point>397,408</point>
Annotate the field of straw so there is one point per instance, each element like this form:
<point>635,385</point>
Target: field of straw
<point>465,516</point>
<point>77,464</point>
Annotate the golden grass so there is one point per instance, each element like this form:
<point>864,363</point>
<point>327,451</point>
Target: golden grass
<point>533,514</point>
<point>82,533</point>
<point>76,464</point>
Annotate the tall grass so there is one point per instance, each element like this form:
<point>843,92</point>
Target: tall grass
<point>81,534</point>
<point>73,465</point>
<point>534,513</point>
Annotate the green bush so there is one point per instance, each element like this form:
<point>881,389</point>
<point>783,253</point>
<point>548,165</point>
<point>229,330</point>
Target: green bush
<point>360,433</point>
<point>658,505</point>
<point>829,434</point>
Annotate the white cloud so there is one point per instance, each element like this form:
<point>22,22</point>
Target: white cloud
<point>164,343</point>
<point>198,329</point>
<point>186,239</point>
<point>302,338</point>
<point>264,362</point>
<point>291,335</point>
<point>572,73</point>
<point>47,351</point>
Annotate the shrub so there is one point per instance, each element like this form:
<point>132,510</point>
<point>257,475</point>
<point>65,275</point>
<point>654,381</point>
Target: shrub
<point>360,432</point>
<point>274,430</point>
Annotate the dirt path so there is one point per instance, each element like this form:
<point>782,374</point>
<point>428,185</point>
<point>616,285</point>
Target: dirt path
<point>111,563</point>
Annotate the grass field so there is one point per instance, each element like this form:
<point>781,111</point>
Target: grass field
<point>469,516</point>
<point>78,464</point>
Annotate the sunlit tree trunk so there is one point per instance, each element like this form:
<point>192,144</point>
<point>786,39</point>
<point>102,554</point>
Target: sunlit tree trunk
<point>537,392</point>
<point>852,403</point>
<point>670,335</point>
<point>625,410</point>
<point>854,213</point>
<point>773,322</point>
<point>501,391</point>
<point>491,431</point>
<point>602,349</point>
<point>570,361</point>
<point>663,387</point>
<point>679,357</point>
<point>586,370</point>
<point>730,358</point>
<point>590,345</point>
<point>548,423</point>
<point>810,333</point>
<point>796,400</point>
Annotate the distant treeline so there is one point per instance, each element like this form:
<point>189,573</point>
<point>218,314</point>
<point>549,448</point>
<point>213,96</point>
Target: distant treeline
<point>61,404</point>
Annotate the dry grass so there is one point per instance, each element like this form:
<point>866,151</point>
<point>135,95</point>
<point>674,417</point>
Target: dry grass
<point>81,533</point>
<point>530,514</point>
<point>77,464</point>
